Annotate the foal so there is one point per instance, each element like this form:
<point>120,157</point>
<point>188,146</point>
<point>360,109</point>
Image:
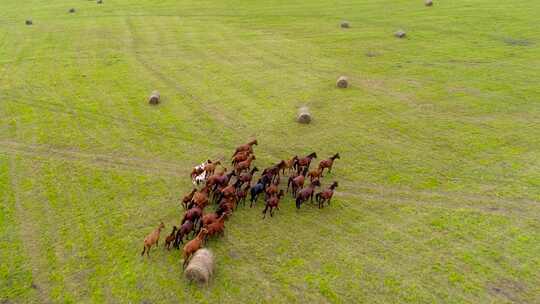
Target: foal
<point>328,163</point>
<point>152,239</point>
<point>170,238</point>
<point>306,193</point>
<point>326,195</point>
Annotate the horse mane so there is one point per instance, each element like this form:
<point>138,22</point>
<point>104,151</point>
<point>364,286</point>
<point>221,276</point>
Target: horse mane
<point>312,154</point>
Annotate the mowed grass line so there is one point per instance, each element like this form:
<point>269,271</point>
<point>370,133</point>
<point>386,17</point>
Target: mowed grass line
<point>438,200</point>
<point>363,245</point>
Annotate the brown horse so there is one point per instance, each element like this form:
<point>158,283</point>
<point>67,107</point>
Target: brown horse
<point>304,162</point>
<point>214,178</point>
<point>193,214</point>
<point>315,174</point>
<point>170,238</point>
<point>328,163</point>
<point>210,168</point>
<point>217,227</point>
<point>186,228</point>
<point>272,189</point>
<point>307,193</point>
<point>273,202</point>
<point>326,195</point>
<point>187,199</point>
<point>241,156</point>
<point>246,147</point>
<point>296,182</point>
<point>248,176</point>
<point>193,245</point>
<point>288,164</point>
<point>244,165</point>
<point>200,198</point>
<point>241,194</point>
<point>273,171</point>
<point>152,239</point>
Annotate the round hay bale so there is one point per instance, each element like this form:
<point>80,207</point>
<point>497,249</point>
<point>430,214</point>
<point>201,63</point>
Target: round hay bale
<point>304,116</point>
<point>342,82</point>
<point>429,3</point>
<point>345,24</point>
<point>400,34</point>
<point>28,22</point>
<point>72,10</point>
<point>154,98</point>
<point>201,267</point>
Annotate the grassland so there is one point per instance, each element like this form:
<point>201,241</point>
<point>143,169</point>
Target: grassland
<point>439,137</point>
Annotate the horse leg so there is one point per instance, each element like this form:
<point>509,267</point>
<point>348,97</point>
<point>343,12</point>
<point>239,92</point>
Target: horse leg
<point>264,211</point>
<point>143,250</point>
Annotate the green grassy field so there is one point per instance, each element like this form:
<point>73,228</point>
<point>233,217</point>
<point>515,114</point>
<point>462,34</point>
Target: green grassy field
<point>438,135</point>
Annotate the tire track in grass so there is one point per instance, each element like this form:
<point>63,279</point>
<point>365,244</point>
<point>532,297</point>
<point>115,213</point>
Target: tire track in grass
<point>28,232</point>
<point>152,166</point>
<point>193,100</point>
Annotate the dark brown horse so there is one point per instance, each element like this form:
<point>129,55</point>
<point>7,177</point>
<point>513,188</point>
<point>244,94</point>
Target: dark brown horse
<point>328,163</point>
<point>326,195</point>
<point>187,199</point>
<point>296,182</point>
<point>246,147</point>
<point>307,193</point>
<point>304,162</point>
<point>248,176</point>
<point>273,202</point>
<point>274,170</point>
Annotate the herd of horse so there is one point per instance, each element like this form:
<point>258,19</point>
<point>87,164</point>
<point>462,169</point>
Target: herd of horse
<point>229,189</point>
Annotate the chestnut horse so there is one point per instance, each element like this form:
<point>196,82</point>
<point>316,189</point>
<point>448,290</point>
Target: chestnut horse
<point>241,156</point>
<point>315,174</point>
<point>289,164</point>
<point>244,165</point>
<point>328,163</point>
<point>246,147</point>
